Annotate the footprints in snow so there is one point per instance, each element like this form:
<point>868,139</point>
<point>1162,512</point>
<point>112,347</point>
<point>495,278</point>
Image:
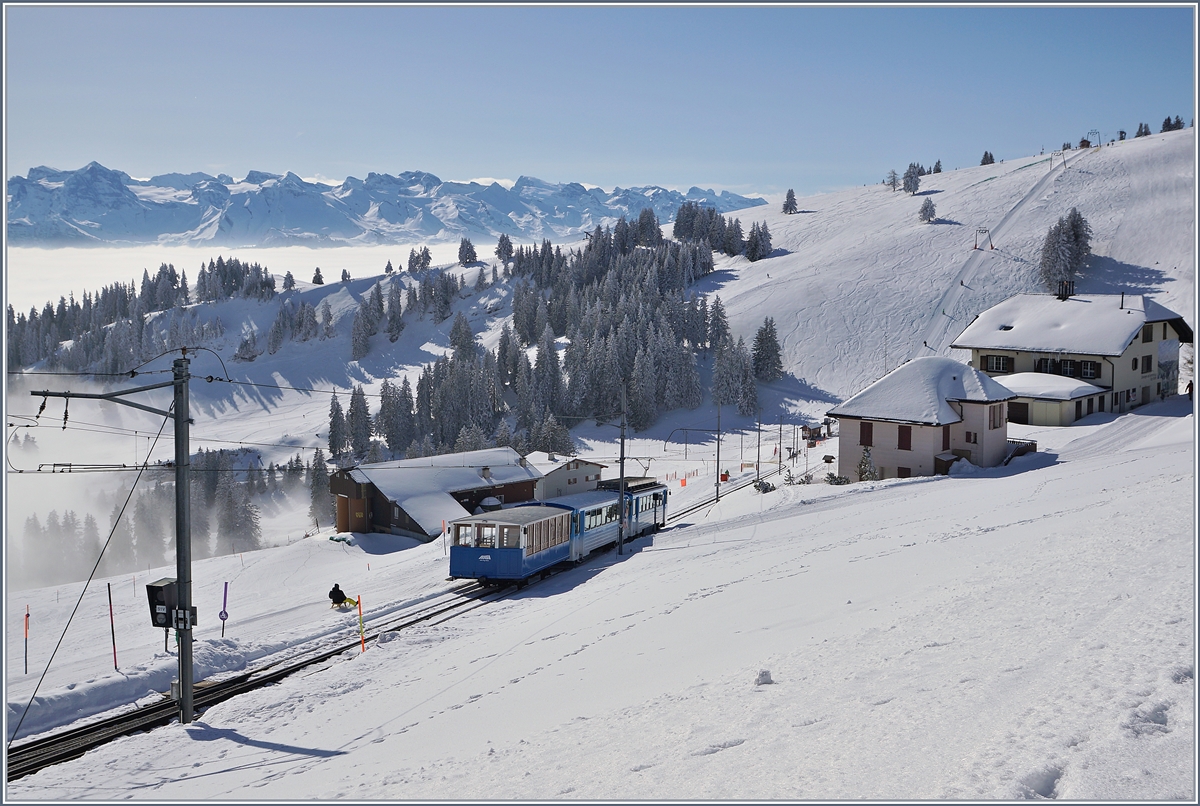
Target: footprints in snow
<point>717,748</point>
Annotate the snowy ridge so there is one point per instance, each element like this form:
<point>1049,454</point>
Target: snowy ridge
<point>95,205</point>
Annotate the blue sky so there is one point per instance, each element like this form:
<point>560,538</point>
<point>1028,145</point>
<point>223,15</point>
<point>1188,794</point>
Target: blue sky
<point>756,100</point>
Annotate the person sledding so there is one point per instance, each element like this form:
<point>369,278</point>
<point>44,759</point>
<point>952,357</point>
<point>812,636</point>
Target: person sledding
<point>339,599</point>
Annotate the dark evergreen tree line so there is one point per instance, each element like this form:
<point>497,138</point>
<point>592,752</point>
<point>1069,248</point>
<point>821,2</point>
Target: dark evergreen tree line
<point>697,224</point>
<point>122,324</point>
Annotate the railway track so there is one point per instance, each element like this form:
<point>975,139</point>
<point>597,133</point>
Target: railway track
<point>29,757</point>
<point>708,502</point>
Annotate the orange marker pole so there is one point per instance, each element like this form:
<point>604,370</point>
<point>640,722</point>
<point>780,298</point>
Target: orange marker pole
<point>26,639</point>
<point>361,634</point>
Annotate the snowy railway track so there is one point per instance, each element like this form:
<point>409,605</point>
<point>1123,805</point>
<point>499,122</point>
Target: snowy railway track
<point>708,502</point>
<point>29,757</point>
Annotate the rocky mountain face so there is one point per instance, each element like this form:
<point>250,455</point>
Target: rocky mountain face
<point>97,205</point>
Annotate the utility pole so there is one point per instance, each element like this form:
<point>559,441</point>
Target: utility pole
<point>183,536</point>
<point>718,453</point>
<point>780,441</point>
<point>758,446</point>
<point>181,617</point>
<point>621,486</point>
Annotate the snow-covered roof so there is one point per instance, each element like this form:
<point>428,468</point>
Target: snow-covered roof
<point>592,498</point>
<point>1048,387</point>
<point>1092,324</point>
<point>422,487</point>
<point>519,515</point>
<point>543,461</point>
<point>920,391</point>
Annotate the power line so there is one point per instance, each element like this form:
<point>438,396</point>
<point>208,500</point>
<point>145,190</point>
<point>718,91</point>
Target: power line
<point>95,567</point>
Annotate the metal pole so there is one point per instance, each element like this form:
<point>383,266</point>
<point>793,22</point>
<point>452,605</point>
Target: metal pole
<point>183,538</point>
<point>758,447</point>
<point>781,441</point>
<point>621,486</point>
<point>718,452</point>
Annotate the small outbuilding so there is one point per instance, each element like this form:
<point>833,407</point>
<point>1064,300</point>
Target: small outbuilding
<point>414,497</point>
<point>1043,399</point>
<point>923,416</point>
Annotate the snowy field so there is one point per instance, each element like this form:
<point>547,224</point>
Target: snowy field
<point>1020,632</point>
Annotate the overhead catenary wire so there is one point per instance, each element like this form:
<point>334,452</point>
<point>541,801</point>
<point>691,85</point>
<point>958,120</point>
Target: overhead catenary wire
<point>87,582</point>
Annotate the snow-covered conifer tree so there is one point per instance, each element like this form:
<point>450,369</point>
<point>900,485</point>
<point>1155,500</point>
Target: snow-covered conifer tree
<point>912,179</point>
<point>766,356</point>
<point>358,422</point>
<point>466,252</point>
<point>337,427</point>
<point>360,334</point>
<point>395,322</point>
<point>927,212</point>
<point>320,507</point>
<point>789,204</point>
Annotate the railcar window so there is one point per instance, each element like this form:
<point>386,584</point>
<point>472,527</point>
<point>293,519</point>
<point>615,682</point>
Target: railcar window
<point>510,537</point>
<point>487,536</point>
<point>463,533</point>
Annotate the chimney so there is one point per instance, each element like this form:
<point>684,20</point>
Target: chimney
<point>486,472</point>
<point>522,462</point>
<point>550,457</point>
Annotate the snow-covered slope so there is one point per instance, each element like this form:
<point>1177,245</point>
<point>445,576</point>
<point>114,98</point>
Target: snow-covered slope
<point>920,645</point>
<point>95,205</point>
<point>859,284</point>
<point>1017,632</point>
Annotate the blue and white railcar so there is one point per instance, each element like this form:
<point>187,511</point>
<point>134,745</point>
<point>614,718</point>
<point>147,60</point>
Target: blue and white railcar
<point>526,539</point>
<point>510,544</point>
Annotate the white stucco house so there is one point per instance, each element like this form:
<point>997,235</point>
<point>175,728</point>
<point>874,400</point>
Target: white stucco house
<point>563,475</point>
<point>1123,347</point>
<point>923,416</point>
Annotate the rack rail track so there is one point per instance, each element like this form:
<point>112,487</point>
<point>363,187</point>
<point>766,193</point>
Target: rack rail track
<point>29,757</point>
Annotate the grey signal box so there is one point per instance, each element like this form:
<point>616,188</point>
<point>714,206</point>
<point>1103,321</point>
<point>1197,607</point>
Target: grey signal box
<point>164,604</point>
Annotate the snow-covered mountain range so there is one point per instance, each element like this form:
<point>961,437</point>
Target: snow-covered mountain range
<point>97,205</point>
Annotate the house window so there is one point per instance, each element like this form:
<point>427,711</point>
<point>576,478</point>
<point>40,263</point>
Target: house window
<point>971,438</point>
<point>1068,368</point>
<point>1164,331</point>
<point>997,363</point>
<point>1135,363</point>
<point>945,437</point>
<point>572,480</point>
<point>904,438</point>
<point>1147,334</point>
<point>1046,365</point>
<point>903,472</point>
<point>1147,365</point>
<point>866,434</point>
<point>1089,370</point>
<point>995,416</point>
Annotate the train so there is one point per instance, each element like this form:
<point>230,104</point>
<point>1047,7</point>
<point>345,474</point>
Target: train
<point>527,539</point>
